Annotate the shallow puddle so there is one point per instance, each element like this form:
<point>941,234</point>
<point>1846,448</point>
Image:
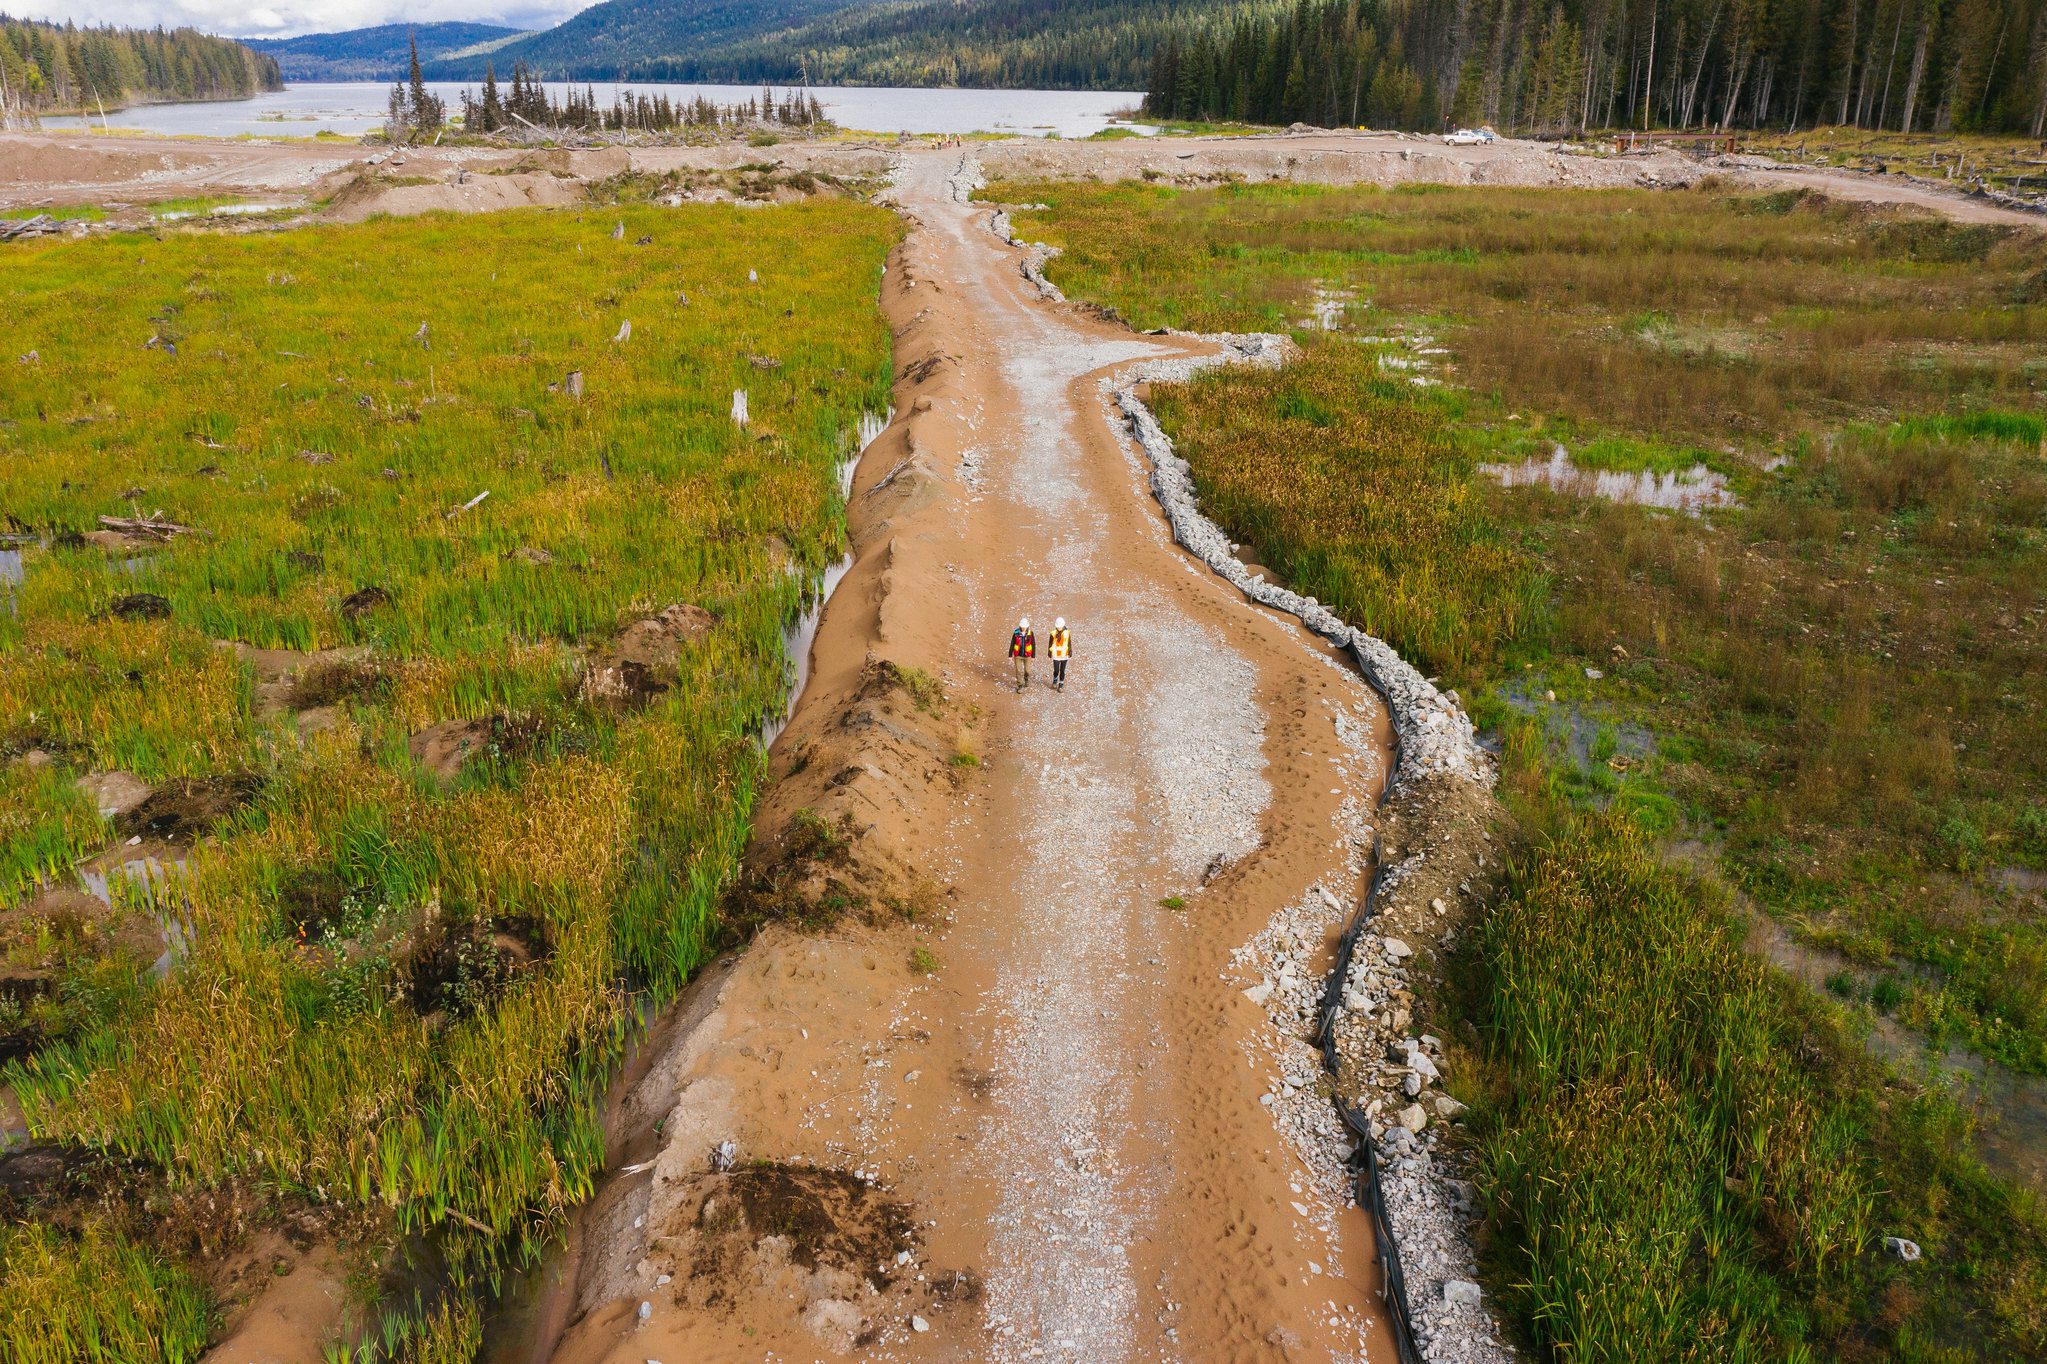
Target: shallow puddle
<point>872,424</point>
<point>2010,1108</point>
<point>798,638</point>
<point>153,880</point>
<point>1691,491</point>
<point>1571,729</point>
<point>1326,308</point>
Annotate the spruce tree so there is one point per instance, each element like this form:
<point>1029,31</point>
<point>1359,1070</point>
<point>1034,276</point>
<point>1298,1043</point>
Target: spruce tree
<point>427,112</point>
<point>493,109</point>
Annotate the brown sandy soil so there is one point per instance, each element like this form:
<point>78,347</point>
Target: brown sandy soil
<point>39,169</point>
<point>1887,189</point>
<point>291,1300</point>
<point>1069,1095</point>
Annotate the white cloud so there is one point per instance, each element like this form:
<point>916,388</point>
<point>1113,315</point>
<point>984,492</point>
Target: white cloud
<point>282,18</point>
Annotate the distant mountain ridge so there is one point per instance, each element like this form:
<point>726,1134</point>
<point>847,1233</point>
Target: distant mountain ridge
<point>1044,44</point>
<point>380,53</point>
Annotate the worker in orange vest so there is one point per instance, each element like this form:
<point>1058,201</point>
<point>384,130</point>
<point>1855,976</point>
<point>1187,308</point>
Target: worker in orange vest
<point>1023,647</point>
<point>1059,648</point>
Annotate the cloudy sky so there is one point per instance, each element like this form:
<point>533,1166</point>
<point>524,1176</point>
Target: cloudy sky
<point>280,18</point>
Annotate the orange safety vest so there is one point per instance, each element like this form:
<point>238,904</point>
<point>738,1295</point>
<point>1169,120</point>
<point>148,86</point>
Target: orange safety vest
<point>1059,644</point>
<point>1023,645</point>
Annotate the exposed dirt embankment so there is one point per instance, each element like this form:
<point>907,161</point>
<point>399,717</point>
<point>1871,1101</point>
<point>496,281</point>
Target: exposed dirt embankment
<point>829,838</point>
<point>43,169</point>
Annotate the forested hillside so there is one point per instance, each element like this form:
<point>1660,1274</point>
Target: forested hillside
<point>1049,44</point>
<point>375,54</point>
<point>48,68</point>
<point>1557,65</point>
<point>638,39</point>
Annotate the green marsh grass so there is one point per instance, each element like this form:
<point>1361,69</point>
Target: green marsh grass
<point>1684,1154</point>
<point>320,446</point>
<point>70,213</point>
<point>92,1294</point>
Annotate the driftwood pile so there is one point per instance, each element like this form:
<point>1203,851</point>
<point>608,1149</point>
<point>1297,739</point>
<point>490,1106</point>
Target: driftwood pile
<point>42,225</point>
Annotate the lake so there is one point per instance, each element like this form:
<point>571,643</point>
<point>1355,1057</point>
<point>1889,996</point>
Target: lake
<point>355,108</point>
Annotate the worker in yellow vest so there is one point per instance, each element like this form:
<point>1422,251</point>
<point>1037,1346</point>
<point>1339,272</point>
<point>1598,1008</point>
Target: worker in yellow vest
<point>1059,648</point>
<point>1023,647</point>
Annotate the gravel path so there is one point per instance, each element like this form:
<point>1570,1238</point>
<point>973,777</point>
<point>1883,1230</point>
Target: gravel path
<point>1148,777</point>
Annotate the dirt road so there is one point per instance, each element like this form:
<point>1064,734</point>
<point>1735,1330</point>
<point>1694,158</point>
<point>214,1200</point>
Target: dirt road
<point>1106,1149</point>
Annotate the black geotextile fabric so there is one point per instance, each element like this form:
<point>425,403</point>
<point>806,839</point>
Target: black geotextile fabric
<point>1370,1196</point>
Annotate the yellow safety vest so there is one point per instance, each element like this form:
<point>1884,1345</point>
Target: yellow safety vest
<point>1061,643</point>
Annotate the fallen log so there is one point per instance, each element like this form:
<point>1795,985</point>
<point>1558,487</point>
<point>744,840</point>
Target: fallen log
<point>149,527</point>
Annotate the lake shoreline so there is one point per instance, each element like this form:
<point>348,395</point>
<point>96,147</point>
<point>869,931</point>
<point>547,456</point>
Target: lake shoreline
<point>356,108</point>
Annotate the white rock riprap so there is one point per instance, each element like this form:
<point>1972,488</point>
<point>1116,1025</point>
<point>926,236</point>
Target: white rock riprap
<point>1438,802</point>
<point>1436,736</point>
<point>964,180</point>
<point>961,184</point>
<point>1035,255</point>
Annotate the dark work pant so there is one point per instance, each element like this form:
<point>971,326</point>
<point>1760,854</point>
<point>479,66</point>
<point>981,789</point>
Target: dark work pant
<point>1058,672</point>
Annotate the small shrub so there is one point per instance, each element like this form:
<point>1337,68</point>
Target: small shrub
<point>2031,827</point>
<point>927,691</point>
<point>1963,841</point>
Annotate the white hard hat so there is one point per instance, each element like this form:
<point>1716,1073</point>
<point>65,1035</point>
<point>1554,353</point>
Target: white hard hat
<point>1059,624</point>
<point>1024,624</point>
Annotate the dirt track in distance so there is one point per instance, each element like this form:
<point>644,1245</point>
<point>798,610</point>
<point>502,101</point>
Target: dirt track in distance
<point>38,169</point>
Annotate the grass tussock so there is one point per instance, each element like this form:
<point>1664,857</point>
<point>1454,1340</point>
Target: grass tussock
<point>1833,687</point>
<point>396,993</point>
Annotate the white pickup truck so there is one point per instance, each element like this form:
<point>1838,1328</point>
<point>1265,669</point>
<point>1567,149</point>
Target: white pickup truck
<point>1470,137</point>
